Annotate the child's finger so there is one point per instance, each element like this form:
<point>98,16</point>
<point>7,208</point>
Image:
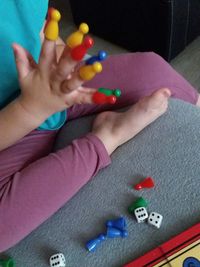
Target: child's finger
<point>73,83</point>
<point>83,95</point>
<point>51,33</point>
<point>24,61</point>
<point>84,73</point>
<point>87,90</point>
<point>47,55</point>
<point>65,66</point>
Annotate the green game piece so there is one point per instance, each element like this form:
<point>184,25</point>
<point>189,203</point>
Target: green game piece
<point>7,263</point>
<point>105,91</point>
<point>140,202</point>
<point>117,92</point>
<point>108,92</point>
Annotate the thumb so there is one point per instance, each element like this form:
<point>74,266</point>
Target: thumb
<point>24,61</point>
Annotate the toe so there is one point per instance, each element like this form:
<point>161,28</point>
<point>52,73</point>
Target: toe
<point>158,98</point>
<point>162,92</point>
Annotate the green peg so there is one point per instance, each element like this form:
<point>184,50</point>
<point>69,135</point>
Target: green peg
<point>117,92</point>
<point>108,92</point>
<point>7,263</point>
<point>140,202</point>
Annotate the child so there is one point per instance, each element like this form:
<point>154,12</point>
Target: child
<point>35,183</point>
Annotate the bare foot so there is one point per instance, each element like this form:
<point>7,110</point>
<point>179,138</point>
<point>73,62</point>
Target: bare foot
<point>114,129</point>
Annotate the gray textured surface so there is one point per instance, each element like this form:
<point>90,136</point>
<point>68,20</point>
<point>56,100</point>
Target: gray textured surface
<point>169,151</point>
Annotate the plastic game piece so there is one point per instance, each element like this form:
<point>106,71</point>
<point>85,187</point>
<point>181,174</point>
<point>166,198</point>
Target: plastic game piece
<point>114,232</point>
<point>76,38</point>
<point>57,260</point>
<point>78,52</point>
<point>102,55</point>
<point>7,263</point>
<point>146,183</point>
<point>87,72</point>
<point>140,202</point>
<point>155,219</point>
<point>119,223</point>
<point>108,92</point>
<point>48,17</point>
<point>92,244</point>
<point>99,98</point>
<point>51,31</point>
<point>141,214</point>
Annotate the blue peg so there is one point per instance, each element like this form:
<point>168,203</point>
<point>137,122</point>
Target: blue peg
<point>119,223</point>
<point>114,232</point>
<point>92,244</point>
<point>102,55</point>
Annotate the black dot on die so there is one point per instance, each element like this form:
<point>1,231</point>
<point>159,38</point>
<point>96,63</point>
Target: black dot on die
<point>156,221</point>
<point>158,217</point>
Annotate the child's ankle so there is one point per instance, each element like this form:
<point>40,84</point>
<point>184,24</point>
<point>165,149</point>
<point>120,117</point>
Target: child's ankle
<point>108,140</point>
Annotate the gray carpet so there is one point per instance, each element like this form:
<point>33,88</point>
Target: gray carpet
<point>167,150</point>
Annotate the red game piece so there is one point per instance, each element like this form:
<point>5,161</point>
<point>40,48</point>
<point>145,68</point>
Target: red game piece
<point>146,183</point>
<point>99,98</point>
<point>78,52</point>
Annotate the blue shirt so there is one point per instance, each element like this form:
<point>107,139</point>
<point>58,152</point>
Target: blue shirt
<point>21,22</point>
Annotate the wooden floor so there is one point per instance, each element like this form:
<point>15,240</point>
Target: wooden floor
<point>187,63</point>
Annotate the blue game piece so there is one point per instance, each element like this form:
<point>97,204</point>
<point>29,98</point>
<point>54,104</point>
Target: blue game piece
<point>93,243</point>
<point>191,262</point>
<point>114,232</point>
<point>102,55</point>
<point>119,223</point>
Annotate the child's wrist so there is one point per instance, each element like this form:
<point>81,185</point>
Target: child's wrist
<point>31,112</point>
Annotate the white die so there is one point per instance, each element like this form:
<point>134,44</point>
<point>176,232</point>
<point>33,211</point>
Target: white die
<point>141,214</point>
<point>155,219</point>
<point>57,260</point>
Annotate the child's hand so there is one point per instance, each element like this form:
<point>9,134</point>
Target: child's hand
<point>49,86</point>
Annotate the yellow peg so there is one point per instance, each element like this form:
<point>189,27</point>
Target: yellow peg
<point>52,30</point>
<point>87,72</point>
<point>76,38</point>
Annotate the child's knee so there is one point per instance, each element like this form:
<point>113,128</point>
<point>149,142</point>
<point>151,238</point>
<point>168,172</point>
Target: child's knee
<point>153,59</point>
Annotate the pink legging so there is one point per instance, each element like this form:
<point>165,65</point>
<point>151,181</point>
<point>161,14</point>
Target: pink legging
<point>35,183</point>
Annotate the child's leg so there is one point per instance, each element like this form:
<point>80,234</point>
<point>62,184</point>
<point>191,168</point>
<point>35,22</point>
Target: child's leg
<point>31,192</point>
<point>137,75</point>
<point>35,191</point>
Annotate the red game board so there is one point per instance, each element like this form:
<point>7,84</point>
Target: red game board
<point>181,251</point>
